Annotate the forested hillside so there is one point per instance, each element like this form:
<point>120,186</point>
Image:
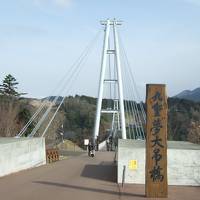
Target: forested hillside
<point>14,113</point>
<point>77,117</point>
<point>184,120</point>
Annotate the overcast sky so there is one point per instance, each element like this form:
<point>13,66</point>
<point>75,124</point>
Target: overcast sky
<point>40,39</point>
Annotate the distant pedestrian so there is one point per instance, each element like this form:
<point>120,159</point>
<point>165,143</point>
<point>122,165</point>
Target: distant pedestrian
<point>107,145</point>
<point>111,142</point>
<point>91,149</point>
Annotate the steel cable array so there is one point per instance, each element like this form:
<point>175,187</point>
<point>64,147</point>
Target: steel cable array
<point>136,110</point>
<point>64,83</point>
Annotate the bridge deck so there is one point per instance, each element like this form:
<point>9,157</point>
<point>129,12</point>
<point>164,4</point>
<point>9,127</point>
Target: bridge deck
<point>78,177</point>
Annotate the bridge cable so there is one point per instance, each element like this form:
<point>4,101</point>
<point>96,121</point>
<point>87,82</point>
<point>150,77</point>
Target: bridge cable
<point>133,80</point>
<point>75,77</point>
<point>54,99</point>
<point>135,106</point>
<point>71,72</point>
<point>131,108</point>
<point>133,103</point>
<point>138,124</point>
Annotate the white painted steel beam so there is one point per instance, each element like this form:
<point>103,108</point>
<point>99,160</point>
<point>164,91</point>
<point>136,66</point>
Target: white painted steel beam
<point>106,51</point>
<point>101,81</point>
<point>109,111</point>
<point>120,87</point>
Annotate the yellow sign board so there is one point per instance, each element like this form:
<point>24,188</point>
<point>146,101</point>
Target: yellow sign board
<point>132,164</point>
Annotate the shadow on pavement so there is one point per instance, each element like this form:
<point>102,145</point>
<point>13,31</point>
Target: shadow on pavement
<point>106,171</point>
<point>88,189</point>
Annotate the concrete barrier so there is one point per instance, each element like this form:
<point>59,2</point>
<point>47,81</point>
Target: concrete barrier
<point>102,145</point>
<point>17,154</point>
<point>183,162</point>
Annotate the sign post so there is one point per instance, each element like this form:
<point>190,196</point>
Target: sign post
<point>156,141</point>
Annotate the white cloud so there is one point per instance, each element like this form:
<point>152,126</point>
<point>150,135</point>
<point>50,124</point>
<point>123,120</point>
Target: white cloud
<point>63,3</point>
<point>55,3</point>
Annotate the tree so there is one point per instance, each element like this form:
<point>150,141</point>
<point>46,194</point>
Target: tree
<point>23,117</point>
<point>9,86</point>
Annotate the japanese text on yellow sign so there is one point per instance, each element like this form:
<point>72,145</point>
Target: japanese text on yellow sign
<point>132,164</point>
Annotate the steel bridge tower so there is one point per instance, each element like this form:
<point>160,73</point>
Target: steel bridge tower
<point>111,34</point>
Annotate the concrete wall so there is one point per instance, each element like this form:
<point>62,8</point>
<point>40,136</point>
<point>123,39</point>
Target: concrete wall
<point>102,145</point>
<point>183,162</point>
<point>21,153</point>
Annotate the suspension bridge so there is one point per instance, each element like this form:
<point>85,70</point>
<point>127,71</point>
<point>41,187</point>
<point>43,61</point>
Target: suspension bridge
<point>82,177</point>
<point>116,84</point>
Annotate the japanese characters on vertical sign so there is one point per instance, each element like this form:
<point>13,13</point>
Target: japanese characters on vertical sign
<point>156,172</point>
<point>156,141</point>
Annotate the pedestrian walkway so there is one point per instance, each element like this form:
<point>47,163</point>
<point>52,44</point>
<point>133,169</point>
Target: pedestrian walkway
<point>79,177</point>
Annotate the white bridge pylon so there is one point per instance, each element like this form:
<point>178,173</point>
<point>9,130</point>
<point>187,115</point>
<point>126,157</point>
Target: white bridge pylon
<point>123,103</point>
<point>111,25</point>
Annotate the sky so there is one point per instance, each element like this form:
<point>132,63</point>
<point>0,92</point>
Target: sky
<point>41,39</point>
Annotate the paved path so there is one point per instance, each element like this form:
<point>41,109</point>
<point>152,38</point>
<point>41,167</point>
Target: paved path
<point>79,177</point>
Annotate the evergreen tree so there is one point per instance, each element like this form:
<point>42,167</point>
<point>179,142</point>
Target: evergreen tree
<point>23,116</point>
<point>9,86</point>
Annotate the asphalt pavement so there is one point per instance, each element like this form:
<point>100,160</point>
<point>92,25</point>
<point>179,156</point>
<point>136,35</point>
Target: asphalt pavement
<point>79,177</point>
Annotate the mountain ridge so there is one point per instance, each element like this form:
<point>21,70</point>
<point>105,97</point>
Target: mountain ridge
<point>193,95</point>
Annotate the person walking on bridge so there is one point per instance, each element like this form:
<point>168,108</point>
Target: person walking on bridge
<point>91,149</point>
